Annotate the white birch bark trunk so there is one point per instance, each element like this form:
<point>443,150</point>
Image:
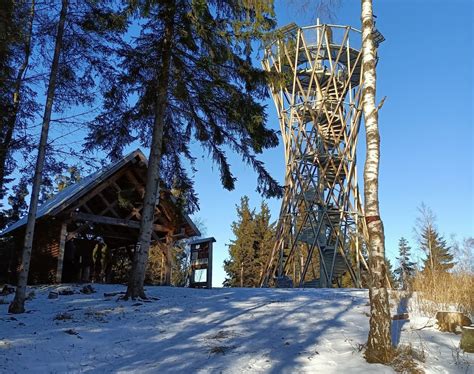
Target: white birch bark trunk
<point>18,303</point>
<point>379,345</point>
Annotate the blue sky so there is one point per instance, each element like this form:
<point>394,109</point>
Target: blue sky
<point>426,124</point>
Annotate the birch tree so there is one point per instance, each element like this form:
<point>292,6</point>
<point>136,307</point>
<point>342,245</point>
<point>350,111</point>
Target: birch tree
<point>78,41</point>
<point>18,303</point>
<point>379,344</point>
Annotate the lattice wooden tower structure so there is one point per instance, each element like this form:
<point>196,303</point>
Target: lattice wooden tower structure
<point>317,92</point>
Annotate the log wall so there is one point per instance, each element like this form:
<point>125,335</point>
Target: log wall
<point>44,255</point>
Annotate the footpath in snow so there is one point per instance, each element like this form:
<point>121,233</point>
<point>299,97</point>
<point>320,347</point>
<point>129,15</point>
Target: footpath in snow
<point>208,331</point>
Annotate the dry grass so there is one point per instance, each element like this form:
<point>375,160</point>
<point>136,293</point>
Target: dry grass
<point>217,348</point>
<point>461,359</point>
<point>31,296</point>
<point>63,317</point>
<point>444,291</point>
<point>406,359</point>
<point>220,349</point>
<point>222,334</point>
<point>97,315</point>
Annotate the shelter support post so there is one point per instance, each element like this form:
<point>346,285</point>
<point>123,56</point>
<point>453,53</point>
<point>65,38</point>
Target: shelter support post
<point>168,260</point>
<point>62,245</point>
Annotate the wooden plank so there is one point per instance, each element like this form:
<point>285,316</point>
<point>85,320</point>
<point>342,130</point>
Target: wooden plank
<point>168,261</point>
<point>86,207</point>
<point>306,169</point>
<point>62,246</point>
<point>135,212</point>
<point>163,209</point>
<point>94,192</point>
<point>139,186</point>
<point>116,186</point>
<point>118,236</point>
<point>114,221</point>
<point>109,206</point>
<point>73,234</point>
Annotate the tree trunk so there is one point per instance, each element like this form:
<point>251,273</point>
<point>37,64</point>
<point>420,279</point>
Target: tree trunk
<point>137,275</point>
<point>162,269</point>
<point>10,125</point>
<point>168,264</point>
<point>18,304</point>
<point>467,339</point>
<point>379,345</point>
<point>430,244</point>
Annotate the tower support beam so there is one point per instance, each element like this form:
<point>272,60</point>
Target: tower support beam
<point>317,97</point>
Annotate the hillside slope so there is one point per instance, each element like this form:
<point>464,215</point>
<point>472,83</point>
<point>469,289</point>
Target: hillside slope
<point>207,331</point>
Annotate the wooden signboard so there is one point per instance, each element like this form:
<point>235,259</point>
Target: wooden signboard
<point>201,263</point>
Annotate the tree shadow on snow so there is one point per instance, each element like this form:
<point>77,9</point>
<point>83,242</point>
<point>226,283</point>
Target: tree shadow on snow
<point>233,332</point>
<point>271,330</point>
<point>397,325</point>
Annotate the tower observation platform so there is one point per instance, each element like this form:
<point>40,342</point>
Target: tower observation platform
<point>317,89</point>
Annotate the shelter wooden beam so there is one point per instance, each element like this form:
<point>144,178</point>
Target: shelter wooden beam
<point>109,206</point>
<point>139,186</point>
<point>62,246</point>
<point>114,221</point>
<point>83,200</point>
<point>111,235</point>
<point>73,234</point>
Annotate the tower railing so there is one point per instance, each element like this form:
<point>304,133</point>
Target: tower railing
<point>317,91</point>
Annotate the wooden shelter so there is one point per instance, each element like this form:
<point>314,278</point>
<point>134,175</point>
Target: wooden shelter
<point>103,208</point>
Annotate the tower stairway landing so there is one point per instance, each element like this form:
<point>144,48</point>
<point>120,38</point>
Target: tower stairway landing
<point>319,107</point>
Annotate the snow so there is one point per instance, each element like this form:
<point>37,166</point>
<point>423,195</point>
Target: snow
<point>207,331</point>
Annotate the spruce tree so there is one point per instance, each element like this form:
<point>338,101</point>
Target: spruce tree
<point>264,239</point>
<point>17,99</point>
<point>390,275</point>
<point>251,248</point>
<point>27,37</point>
<point>438,255</point>
<point>17,203</point>
<point>188,74</point>
<point>72,176</point>
<point>439,258</point>
<point>406,268</point>
<point>240,268</point>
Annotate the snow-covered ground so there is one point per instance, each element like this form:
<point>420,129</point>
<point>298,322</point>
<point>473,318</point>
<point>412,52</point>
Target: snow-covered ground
<point>208,331</point>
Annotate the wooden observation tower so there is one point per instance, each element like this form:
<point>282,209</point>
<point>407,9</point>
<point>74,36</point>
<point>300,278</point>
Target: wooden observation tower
<point>317,92</point>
